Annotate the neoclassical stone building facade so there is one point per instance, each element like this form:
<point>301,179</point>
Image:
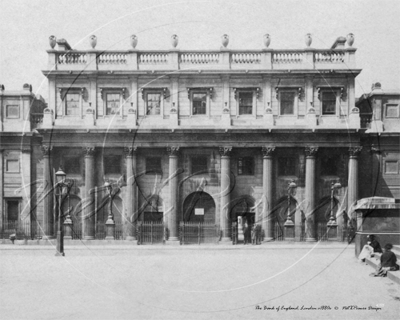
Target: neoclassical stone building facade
<point>209,137</point>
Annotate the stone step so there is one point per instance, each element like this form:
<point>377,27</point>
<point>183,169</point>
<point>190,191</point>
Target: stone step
<point>392,275</point>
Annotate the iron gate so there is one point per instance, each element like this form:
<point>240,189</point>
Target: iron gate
<point>198,232</point>
<point>149,232</point>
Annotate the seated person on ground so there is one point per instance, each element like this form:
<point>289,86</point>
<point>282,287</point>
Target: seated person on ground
<point>388,262</point>
<point>371,249</point>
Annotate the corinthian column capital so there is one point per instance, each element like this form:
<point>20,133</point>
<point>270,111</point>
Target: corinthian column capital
<point>311,151</point>
<point>268,151</point>
<point>354,151</point>
<point>225,151</point>
<point>173,150</point>
<point>88,151</point>
<point>130,151</point>
<point>46,149</point>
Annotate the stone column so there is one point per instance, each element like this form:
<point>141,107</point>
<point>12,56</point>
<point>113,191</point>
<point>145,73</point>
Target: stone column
<point>310,193</point>
<point>48,217</point>
<point>352,191</point>
<point>267,221</point>
<point>88,203</point>
<point>172,213</point>
<point>130,214</point>
<point>225,191</point>
<point>3,217</point>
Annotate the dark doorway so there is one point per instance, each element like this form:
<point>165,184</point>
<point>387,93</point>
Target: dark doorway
<point>199,207</point>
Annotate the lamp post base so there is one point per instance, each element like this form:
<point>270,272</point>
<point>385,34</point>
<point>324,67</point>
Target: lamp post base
<point>60,244</point>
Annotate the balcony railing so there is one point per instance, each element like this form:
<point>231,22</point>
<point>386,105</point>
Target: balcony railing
<point>220,60</point>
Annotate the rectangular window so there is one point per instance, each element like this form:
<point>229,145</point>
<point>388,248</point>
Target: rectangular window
<point>153,165</point>
<point>112,103</point>
<point>12,112</point>
<point>12,165</point>
<point>72,101</point>
<point>153,103</point>
<point>328,103</point>
<point>245,103</point>
<point>199,103</point>
<point>286,166</point>
<point>245,166</point>
<point>112,165</point>
<point>329,166</point>
<point>12,210</point>
<point>72,165</point>
<point>199,165</point>
<point>391,167</point>
<point>392,111</point>
<point>287,102</point>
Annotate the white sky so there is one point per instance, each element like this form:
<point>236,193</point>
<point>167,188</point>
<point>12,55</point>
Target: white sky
<point>26,25</point>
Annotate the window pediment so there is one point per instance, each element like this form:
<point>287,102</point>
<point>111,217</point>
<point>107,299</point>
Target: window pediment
<point>209,90</point>
<point>164,91</point>
<point>257,91</point>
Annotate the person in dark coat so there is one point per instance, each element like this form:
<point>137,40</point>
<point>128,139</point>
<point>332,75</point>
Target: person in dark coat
<point>371,249</point>
<point>388,262</point>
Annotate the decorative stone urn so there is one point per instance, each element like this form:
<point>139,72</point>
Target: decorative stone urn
<point>134,41</point>
<point>350,39</point>
<point>52,41</point>
<point>225,40</point>
<point>174,40</point>
<point>308,39</point>
<point>267,40</point>
<point>93,41</point>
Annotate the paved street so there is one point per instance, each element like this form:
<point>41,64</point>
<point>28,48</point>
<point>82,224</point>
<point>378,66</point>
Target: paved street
<point>211,282</point>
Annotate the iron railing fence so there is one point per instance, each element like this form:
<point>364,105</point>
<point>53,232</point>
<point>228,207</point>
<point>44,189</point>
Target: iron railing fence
<point>322,231</point>
<point>198,232</point>
<point>150,232</point>
<point>20,229</point>
<point>279,231</point>
<point>101,231</point>
<point>234,233</point>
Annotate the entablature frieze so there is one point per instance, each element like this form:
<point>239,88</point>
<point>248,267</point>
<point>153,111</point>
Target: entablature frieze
<point>192,138</point>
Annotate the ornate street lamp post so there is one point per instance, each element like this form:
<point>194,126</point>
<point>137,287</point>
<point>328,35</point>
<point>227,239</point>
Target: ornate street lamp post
<point>332,219</point>
<point>62,184</point>
<point>110,224</point>
<point>289,225</point>
<point>291,186</point>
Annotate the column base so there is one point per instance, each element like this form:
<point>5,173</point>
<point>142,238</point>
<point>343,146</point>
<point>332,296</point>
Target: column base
<point>269,239</point>
<point>88,238</point>
<point>109,238</point>
<point>332,233</point>
<point>226,239</point>
<point>48,238</point>
<point>174,242</point>
<point>311,240</point>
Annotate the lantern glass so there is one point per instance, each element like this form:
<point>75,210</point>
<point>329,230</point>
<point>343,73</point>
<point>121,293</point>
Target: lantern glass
<point>60,176</point>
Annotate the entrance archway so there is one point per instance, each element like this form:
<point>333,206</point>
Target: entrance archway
<point>243,213</point>
<point>199,207</point>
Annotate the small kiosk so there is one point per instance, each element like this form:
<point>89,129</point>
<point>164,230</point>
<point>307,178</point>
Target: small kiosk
<point>378,216</point>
